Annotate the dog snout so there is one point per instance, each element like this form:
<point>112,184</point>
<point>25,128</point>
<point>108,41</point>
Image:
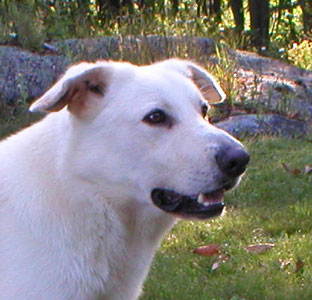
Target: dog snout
<point>232,161</point>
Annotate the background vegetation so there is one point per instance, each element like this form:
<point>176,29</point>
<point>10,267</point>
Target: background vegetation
<point>273,27</point>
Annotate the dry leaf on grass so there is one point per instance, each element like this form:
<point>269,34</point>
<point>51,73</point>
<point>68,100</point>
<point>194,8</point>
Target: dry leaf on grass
<point>208,250</point>
<point>299,265</point>
<point>259,248</point>
<point>294,172</point>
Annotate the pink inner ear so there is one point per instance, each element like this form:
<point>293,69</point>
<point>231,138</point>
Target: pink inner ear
<point>81,92</point>
<point>209,88</point>
<point>85,94</point>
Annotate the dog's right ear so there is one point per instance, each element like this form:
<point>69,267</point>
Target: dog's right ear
<point>207,84</point>
<point>81,89</point>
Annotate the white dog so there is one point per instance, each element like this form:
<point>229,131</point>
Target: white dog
<point>87,193</point>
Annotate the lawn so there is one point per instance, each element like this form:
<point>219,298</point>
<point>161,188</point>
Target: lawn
<point>273,205</point>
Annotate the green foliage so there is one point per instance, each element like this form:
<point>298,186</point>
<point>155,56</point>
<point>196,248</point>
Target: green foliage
<point>22,18</point>
<point>14,117</point>
<point>225,72</point>
<point>30,22</point>
<point>301,54</point>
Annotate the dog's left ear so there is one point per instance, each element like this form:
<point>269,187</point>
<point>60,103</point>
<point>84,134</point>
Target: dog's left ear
<point>81,89</point>
<point>205,82</point>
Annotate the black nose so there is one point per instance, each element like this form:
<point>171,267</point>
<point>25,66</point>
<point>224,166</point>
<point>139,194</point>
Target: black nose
<point>232,160</point>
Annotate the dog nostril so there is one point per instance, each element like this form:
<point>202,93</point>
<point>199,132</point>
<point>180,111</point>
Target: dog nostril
<point>232,160</point>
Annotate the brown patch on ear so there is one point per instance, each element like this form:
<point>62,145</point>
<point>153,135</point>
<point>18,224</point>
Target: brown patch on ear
<point>76,91</point>
<point>75,96</point>
<point>82,95</point>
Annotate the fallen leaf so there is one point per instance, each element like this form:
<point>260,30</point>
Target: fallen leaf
<point>208,250</point>
<point>215,266</point>
<point>299,265</point>
<point>296,172</point>
<point>308,169</point>
<point>259,248</point>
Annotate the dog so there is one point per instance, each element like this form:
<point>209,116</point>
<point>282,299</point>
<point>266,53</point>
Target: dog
<point>87,193</point>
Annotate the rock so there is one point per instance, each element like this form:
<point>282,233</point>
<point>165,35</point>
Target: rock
<point>268,66</point>
<point>270,124</point>
<point>25,75</point>
<point>274,85</point>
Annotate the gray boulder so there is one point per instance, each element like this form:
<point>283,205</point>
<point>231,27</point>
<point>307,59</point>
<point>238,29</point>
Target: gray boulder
<point>270,124</point>
<point>273,85</point>
<point>25,75</point>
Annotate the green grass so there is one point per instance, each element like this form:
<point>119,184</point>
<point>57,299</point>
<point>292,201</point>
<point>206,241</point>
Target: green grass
<point>14,117</point>
<point>271,205</point>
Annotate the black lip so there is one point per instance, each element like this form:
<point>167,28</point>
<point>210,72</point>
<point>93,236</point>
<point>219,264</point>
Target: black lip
<point>184,206</point>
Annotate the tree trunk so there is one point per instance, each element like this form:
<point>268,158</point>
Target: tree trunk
<point>306,6</point>
<point>109,7</point>
<point>215,9</point>
<point>259,22</point>
<point>129,5</point>
<point>238,12</point>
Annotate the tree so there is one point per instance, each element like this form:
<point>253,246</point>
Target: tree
<point>109,7</point>
<point>215,9</point>
<point>306,6</point>
<point>259,22</point>
<point>238,12</point>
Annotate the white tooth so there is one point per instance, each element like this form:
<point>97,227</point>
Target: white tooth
<point>206,203</point>
<point>200,199</point>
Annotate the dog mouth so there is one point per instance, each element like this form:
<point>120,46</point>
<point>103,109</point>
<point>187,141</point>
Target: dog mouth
<point>203,206</point>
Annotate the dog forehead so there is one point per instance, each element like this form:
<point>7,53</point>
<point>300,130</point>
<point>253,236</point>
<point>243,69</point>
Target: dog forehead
<point>168,85</point>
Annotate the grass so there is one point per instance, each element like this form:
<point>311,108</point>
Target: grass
<point>271,205</point>
<point>15,116</point>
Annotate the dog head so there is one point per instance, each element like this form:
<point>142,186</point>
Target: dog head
<point>141,133</point>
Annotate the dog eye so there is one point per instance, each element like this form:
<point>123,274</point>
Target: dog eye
<point>156,117</point>
<point>204,110</point>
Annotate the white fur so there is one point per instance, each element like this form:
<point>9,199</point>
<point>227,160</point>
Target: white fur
<point>76,217</point>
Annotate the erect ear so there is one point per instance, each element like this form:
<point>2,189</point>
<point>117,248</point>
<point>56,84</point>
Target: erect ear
<point>205,82</point>
<point>81,89</point>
